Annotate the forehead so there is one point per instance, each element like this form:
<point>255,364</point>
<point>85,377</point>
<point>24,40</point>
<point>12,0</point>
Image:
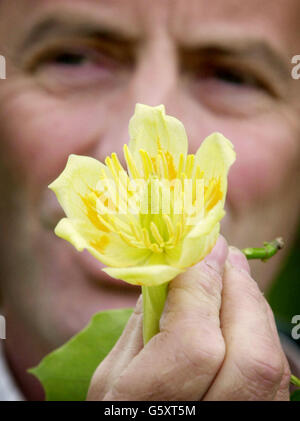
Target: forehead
<point>271,18</point>
<point>277,19</point>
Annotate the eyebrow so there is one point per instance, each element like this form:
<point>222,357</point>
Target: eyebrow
<point>68,25</point>
<point>247,49</point>
<point>243,48</point>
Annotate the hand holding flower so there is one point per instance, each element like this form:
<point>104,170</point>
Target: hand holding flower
<point>217,341</point>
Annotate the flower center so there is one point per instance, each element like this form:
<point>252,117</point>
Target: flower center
<point>152,207</point>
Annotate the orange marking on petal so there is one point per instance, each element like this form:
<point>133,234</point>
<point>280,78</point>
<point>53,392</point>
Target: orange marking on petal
<point>212,193</point>
<point>92,214</point>
<point>101,244</point>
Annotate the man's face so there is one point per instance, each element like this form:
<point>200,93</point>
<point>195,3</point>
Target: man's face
<point>76,69</point>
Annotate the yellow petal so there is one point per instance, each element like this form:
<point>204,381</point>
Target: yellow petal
<point>199,241</point>
<point>79,178</point>
<point>151,129</point>
<point>206,224</point>
<point>194,249</point>
<point>214,157</point>
<point>76,231</point>
<point>145,275</point>
<point>108,248</point>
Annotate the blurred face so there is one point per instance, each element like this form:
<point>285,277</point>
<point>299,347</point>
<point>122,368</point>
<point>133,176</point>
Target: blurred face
<point>75,70</point>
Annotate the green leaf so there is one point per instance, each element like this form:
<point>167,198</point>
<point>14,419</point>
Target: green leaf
<point>295,396</point>
<point>66,373</point>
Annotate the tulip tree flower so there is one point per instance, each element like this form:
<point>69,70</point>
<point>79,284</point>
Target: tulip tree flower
<point>150,221</point>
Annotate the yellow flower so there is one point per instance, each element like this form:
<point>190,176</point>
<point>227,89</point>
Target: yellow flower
<point>152,221</point>
<point>136,221</point>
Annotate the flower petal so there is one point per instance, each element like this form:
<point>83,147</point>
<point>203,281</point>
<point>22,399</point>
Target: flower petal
<point>76,231</point>
<point>145,275</point>
<point>106,247</point>
<point>194,249</point>
<point>214,157</point>
<point>80,175</point>
<point>199,241</point>
<point>150,126</point>
<point>206,224</point>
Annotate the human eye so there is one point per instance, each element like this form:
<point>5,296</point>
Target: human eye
<point>228,85</point>
<point>235,75</point>
<point>81,62</point>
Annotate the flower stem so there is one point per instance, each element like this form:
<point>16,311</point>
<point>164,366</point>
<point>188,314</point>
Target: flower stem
<point>153,302</point>
<point>264,253</point>
<point>295,381</point>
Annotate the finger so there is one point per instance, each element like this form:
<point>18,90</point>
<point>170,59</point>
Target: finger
<point>180,362</point>
<point>129,344</point>
<point>253,366</point>
<point>283,392</point>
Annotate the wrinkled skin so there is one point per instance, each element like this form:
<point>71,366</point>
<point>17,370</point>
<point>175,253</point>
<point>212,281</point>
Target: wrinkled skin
<point>214,314</point>
<point>71,88</point>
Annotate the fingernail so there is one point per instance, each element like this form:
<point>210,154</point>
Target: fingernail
<point>237,259</point>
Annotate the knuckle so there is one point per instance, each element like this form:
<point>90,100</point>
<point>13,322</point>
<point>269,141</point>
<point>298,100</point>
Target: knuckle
<point>286,377</point>
<point>265,369</point>
<point>210,280</point>
<point>270,372</point>
<point>205,356</point>
<point>199,279</point>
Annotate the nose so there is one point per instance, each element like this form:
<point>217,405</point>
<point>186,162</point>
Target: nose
<point>156,79</point>
<point>159,80</point>
<point>153,82</point>
<point>156,74</point>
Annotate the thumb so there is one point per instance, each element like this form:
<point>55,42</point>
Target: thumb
<point>198,290</point>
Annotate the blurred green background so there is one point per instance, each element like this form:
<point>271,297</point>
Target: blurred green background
<point>284,296</point>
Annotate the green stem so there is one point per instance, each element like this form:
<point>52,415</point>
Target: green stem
<point>264,253</point>
<point>295,381</point>
<point>154,299</point>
